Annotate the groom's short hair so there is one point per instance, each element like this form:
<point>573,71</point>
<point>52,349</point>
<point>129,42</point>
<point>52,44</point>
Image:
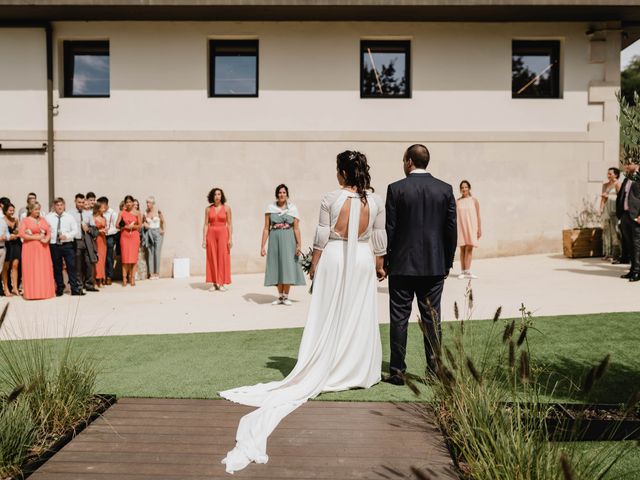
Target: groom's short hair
<point>419,155</point>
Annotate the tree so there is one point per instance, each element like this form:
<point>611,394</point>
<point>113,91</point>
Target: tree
<point>630,80</point>
<point>630,127</point>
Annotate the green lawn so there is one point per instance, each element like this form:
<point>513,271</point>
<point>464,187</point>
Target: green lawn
<point>199,365</point>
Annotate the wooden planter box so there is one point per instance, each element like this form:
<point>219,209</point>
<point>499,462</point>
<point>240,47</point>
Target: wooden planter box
<point>582,242</point>
<point>598,423</point>
<point>575,422</point>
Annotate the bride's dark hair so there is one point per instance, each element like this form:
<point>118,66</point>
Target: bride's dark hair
<point>353,166</point>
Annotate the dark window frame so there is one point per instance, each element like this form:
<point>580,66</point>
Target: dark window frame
<point>404,46</point>
<point>212,66</point>
<point>554,48</point>
<point>70,48</point>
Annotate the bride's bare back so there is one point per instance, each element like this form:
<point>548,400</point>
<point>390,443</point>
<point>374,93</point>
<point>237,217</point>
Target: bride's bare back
<point>342,224</point>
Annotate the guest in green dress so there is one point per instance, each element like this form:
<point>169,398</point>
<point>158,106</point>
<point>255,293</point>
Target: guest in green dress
<point>281,228</point>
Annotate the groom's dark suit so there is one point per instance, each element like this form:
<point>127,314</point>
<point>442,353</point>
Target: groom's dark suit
<point>422,236</point>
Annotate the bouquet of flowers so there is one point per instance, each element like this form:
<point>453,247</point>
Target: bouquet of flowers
<point>305,264</point>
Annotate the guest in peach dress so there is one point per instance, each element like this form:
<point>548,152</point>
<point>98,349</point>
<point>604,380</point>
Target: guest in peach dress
<point>129,222</point>
<point>37,268</point>
<point>469,228</point>
<point>101,242</point>
<point>217,240</point>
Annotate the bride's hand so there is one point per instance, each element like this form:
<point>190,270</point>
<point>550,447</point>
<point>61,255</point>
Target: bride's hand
<point>312,271</point>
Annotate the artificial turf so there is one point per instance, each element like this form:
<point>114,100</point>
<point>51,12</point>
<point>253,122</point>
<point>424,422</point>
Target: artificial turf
<point>200,365</point>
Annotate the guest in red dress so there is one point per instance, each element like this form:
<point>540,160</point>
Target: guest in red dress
<point>37,269</point>
<point>129,223</point>
<point>218,230</point>
<point>101,242</point>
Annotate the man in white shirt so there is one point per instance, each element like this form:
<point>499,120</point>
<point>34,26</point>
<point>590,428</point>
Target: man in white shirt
<point>64,229</point>
<point>112,235</point>
<point>31,199</point>
<point>84,257</point>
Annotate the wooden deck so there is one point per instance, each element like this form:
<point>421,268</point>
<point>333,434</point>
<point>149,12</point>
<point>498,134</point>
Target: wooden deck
<point>139,439</point>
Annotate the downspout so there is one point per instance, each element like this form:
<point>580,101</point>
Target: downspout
<point>50,151</point>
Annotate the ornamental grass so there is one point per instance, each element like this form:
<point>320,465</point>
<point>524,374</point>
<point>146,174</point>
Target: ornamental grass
<point>490,402</point>
<point>45,392</point>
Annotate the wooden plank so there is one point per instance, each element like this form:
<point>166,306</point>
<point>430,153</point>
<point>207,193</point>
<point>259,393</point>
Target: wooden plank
<point>277,472</point>
<point>309,404</point>
<point>231,408</point>
<point>293,422</point>
<point>307,437</point>
<point>320,450</point>
<point>172,459</point>
<point>131,476</point>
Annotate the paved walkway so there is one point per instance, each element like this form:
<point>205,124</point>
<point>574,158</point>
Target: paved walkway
<point>160,439</point>
<point>547,284</point>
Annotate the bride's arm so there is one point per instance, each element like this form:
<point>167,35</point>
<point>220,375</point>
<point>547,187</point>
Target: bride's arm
<point>322,235</point>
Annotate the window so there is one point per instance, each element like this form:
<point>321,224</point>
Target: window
<point>384,69</point>
<point>535,69</point>
<point>233,68</point>
<point>86,69</point>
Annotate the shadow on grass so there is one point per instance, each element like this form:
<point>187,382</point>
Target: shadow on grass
<point>616,386</point>
<point>284,364</point>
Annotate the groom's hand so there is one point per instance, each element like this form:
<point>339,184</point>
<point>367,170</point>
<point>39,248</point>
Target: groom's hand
<point>381,273</point>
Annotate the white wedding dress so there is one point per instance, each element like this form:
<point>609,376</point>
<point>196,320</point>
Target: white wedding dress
<point>340,347</point>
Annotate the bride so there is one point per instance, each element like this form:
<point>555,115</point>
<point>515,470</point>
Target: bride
<point>340,347</point>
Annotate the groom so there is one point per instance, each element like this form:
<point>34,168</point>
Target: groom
<point>422,236</point>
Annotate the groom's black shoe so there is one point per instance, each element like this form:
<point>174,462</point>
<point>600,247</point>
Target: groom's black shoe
<point>394,380</point>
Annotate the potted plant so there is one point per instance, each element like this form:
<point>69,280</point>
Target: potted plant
<point>585,238</point>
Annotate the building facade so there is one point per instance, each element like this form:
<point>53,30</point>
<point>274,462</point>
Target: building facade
<point>150,102</point>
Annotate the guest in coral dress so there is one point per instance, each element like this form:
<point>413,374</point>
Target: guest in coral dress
<point>129,223</point>
<point>37,269</point>
<point>469,228</point>
<point>101,242</point>
<point>218,231</point>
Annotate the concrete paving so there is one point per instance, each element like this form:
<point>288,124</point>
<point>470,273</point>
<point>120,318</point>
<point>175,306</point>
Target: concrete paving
<point>546,284</point>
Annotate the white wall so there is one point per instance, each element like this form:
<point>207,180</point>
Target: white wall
<point>530,161</point>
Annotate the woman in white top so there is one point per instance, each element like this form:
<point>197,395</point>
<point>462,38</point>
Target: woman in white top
<point>154,225</point>
<point>340,347</point>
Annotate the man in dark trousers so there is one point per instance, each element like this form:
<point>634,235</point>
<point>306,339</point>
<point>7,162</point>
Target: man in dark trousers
<point>422,236</point>
<point>633,222</point>
<point>622,212</point>
<point>85,251</point>
<point>64,229</point>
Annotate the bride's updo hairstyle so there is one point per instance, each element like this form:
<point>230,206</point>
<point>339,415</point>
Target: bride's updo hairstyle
<point>353,166</point>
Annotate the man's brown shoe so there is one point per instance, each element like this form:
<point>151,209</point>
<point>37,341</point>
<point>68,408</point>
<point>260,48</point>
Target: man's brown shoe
<point>107,281</point>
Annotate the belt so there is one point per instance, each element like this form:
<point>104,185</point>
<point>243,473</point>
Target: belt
<point>281,226</point>
<point>1,247</point>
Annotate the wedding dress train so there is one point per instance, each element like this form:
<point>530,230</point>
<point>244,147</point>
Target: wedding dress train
<point>340,347</point>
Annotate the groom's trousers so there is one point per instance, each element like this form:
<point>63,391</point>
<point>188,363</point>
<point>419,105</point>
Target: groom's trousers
<point>428,291</point>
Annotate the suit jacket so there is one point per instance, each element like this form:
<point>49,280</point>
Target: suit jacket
<point>634,200</point>
<point>421,226</point>
<point>620,199</point>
